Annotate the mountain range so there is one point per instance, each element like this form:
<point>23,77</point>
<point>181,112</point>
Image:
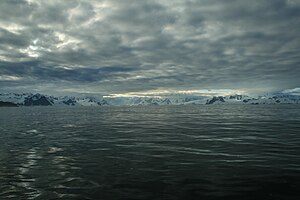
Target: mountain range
<point>29,99</point>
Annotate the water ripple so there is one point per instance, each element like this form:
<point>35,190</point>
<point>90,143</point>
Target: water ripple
<point>184,152</point>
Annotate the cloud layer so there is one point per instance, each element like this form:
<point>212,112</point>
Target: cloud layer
<point>116,46</point>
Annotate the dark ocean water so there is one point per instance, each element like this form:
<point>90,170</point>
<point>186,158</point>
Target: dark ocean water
<point>167,152</point>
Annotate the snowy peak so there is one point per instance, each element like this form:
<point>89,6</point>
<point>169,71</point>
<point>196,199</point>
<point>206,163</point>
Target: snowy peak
<point>243,99</point>
<point>28,99</point>
<point>238,97</point>
<point>37,100</point>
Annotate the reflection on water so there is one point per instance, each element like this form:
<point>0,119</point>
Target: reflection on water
<point>167,152</point>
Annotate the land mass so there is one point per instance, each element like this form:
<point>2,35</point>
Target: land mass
<point>7,104</point>
<point>28,99</point>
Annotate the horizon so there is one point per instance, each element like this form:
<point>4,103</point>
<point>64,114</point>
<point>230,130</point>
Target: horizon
<point>164,94</point>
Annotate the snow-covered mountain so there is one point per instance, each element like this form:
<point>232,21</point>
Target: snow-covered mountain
<point>243,99</point>
<point>28,99</point>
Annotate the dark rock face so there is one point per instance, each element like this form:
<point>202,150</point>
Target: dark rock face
<point>7,104</point>
<point>166,101</point>
<point>70,102</point>
<point>37,100</point>
<point>102,102</point>
<point>214,99</point>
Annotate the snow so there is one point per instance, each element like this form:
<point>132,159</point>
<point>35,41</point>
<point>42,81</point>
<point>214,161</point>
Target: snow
<point>153,101</point>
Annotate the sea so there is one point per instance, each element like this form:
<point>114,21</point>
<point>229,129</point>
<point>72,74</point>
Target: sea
<point>191,152</point>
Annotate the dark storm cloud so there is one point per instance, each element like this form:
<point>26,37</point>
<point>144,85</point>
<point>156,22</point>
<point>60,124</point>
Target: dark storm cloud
<point>195,44</point>
<point>37,70</point>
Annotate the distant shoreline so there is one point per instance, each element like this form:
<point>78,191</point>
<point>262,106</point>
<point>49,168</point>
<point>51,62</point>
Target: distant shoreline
<point>7,104</point>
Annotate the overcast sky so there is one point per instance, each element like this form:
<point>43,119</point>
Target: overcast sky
<point>114,47</point>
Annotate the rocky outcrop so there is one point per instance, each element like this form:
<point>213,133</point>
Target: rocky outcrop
<point>37,100</point>
<point>70,102</point>
<point>215,99</point>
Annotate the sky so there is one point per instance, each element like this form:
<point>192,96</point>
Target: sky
<point>149,47</point>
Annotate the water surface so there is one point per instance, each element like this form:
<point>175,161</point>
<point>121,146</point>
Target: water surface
<point>164,152</point>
